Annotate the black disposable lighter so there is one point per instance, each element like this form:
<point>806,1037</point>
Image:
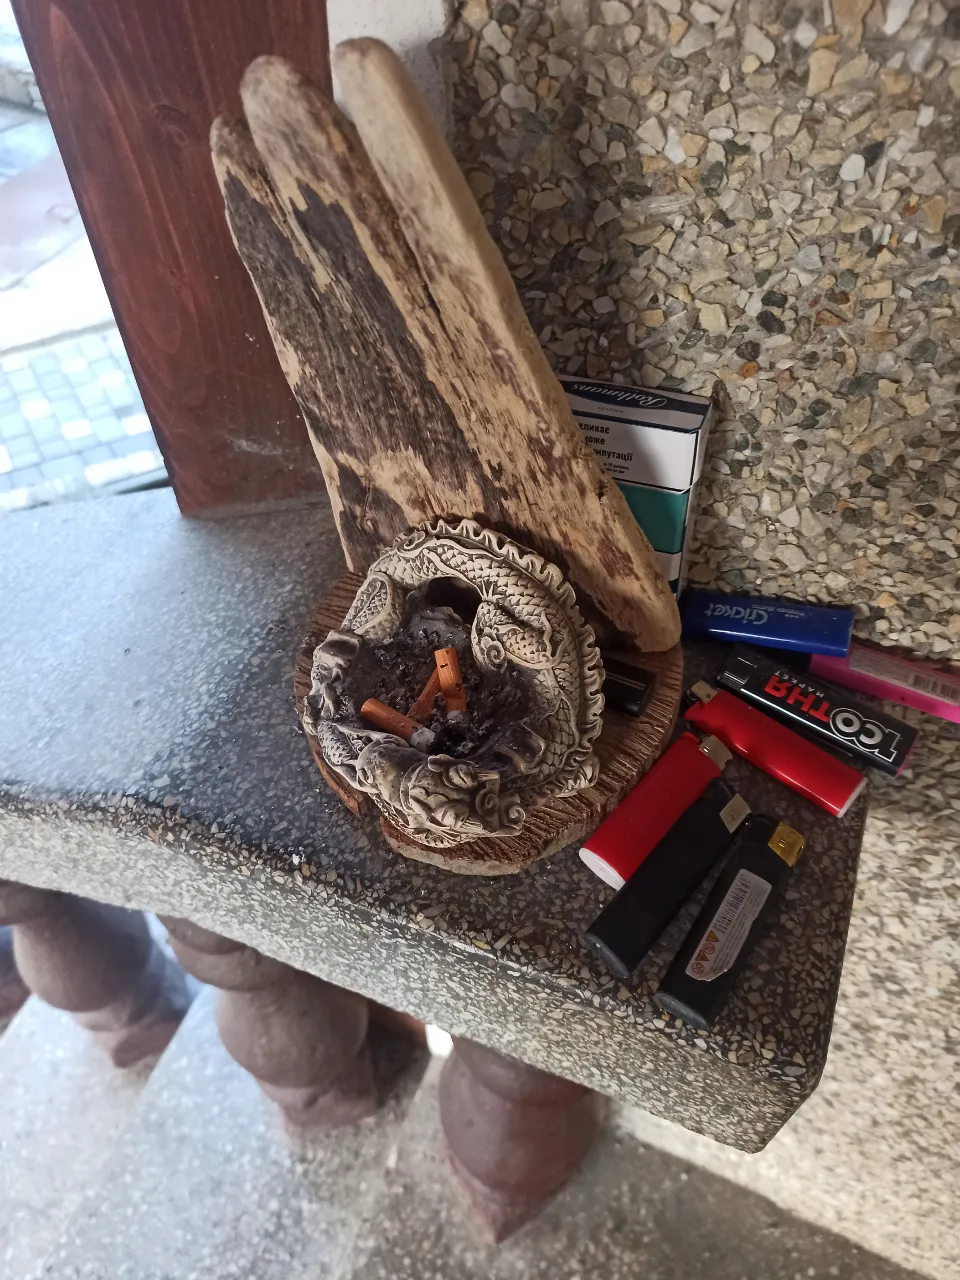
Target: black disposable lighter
<point>626,688</point>
<point>627,927</point>
<point>826,714</point>
<point>723,934</point>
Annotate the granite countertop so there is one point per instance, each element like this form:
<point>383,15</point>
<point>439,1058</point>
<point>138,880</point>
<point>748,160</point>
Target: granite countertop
<point>150,754</point>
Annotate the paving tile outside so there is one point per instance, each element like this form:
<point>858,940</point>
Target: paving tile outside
<point>24,143</point>
<point>18,85</point>
<point>48,390</point>
<point>71,422</point>
<point>202,1182</point>
<point>63,1106</point>
<point>631,1212</point>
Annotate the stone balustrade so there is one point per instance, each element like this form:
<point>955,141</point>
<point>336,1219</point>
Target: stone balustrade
<point>153,759</point>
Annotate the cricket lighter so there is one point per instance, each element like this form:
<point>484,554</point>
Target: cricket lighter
<point>621,843</point>
<point>779,751</point>
<point>627,927</point>
<point>827,714</point>
<point>723,934</point>
<point>776,624</point>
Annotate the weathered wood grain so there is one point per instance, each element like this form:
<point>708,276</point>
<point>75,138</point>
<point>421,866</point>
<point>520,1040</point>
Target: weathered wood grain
<point>626,748</point>
<point>420,404</point>
<point>131,87</point>
<point>315,341</point>
<point>341,340</point>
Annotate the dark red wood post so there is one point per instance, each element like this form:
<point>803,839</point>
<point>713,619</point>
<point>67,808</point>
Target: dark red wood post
<point>99,963</point>
<point>13,992</point>
<point>131,88</point>
<point>515,1135</point>
<point>302,1039</point>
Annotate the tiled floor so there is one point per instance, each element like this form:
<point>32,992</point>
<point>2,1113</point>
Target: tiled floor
<point>71,422</point>
<point>17,81</point>
<point>49,283</point>
<point>25,139</point>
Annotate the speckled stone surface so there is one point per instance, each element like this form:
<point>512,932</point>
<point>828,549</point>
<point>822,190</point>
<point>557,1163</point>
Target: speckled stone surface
<point>151,755</point>
<point>630,1213</point>
<point>204,1183</point>
<point>63,1104</point>
<point>874,1152</point>
<point>765,197</point>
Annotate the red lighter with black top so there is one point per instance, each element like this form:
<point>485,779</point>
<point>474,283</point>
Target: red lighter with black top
<point>776,749</point>
<point>638,824</point>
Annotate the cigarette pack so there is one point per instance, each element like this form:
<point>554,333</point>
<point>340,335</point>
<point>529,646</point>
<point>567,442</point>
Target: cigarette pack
<point>653,443</point>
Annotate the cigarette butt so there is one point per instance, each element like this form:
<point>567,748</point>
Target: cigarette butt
<point>421,709</point>
<point>451,681</point>
<point>390,721</point>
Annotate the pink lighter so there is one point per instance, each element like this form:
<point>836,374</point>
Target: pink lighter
<point>886,675</point>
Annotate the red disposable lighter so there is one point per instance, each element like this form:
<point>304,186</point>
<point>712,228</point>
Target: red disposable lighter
<point>775,749</point>
<point>640,822</point>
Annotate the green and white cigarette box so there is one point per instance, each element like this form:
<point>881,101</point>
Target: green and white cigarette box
<point>653,443</point>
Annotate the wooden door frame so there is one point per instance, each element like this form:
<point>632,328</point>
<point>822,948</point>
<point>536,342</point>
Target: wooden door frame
<point>131,88</point>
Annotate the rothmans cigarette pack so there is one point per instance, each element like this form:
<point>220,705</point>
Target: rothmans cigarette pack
<point>653,443</point>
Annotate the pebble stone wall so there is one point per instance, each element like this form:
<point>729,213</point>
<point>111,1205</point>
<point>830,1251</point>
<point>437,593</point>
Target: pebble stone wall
<point>762,198</point>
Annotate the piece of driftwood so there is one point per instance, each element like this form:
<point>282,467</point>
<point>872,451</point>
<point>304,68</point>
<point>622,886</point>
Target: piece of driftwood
<point>625,749</point>
<point>396,322</point>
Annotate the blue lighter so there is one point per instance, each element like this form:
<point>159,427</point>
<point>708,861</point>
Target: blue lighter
<point>776,624</point>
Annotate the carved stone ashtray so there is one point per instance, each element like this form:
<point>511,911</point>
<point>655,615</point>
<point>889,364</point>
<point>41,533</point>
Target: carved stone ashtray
<point>488,788</point>
<point>531,673</point>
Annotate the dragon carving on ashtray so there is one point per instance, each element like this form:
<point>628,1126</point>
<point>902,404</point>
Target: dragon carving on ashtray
<point>526,626</point>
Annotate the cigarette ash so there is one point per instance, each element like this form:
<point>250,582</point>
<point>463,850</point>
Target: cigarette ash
<point>396,670</point>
